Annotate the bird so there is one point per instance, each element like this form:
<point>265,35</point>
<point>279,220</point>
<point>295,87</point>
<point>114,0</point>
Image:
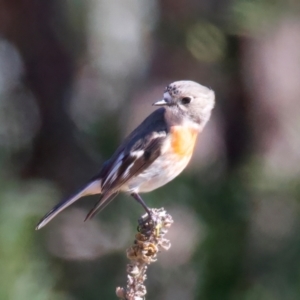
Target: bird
<point>154,153</point>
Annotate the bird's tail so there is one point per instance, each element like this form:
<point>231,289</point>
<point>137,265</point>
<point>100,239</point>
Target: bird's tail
<point>92,188</point>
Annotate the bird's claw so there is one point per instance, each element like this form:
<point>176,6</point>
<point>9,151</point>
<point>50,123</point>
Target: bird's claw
<point>147,223</point>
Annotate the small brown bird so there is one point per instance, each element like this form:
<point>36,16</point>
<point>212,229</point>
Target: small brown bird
<point>154,153</point>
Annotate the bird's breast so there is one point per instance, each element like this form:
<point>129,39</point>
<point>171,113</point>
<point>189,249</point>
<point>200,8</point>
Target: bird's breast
<point>183,140</point>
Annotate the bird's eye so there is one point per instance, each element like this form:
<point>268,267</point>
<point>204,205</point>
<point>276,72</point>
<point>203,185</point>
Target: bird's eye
<point>186,100</point>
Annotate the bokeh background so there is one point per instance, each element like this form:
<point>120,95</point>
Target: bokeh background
<point>77,76</point>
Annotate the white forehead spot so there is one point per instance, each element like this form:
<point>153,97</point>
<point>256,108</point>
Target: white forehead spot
<point>167,96</point>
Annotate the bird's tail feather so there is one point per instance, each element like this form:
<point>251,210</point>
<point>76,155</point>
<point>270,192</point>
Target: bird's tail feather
<point>91,188</point>
<point>101,204</point>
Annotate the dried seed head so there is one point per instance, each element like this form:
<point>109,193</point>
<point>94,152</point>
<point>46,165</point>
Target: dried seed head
<point>148,242</point>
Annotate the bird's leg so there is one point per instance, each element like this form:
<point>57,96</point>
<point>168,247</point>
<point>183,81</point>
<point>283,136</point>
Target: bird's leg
<point>146,223</point>
<point>139,199</point>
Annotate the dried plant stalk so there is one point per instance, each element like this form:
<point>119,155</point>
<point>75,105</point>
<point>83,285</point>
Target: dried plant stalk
<point>149,241</point>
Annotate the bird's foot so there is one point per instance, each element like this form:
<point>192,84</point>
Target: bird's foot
<point>148,222</point>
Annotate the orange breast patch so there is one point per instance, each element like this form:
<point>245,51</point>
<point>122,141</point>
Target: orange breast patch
<point>183,140</point>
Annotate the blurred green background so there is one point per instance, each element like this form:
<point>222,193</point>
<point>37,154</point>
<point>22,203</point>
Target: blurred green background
<point>77,76</point>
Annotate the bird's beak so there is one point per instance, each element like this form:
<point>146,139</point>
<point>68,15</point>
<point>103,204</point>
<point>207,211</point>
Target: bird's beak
<point>160,103</point>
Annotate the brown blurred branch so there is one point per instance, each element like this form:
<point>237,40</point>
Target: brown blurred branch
<point>32,26</point>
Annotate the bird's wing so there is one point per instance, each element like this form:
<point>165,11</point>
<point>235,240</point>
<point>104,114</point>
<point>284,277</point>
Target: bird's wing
<point>128,165</point>
<point>132,162</point>
<point>136,153</point>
